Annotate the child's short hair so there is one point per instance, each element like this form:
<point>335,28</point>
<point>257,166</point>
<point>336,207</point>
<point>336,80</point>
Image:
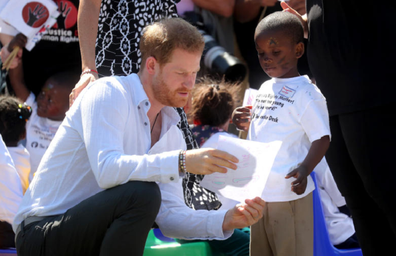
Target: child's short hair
<point>213,102</point>
<point>162,37</point>
<point>282,21</point>
<point>13,117</point>
<point>66,79</point>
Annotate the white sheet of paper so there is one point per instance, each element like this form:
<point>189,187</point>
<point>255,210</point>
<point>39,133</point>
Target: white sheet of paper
<point>255,162</point>
<point>248,98</point>
<point>31,18</point>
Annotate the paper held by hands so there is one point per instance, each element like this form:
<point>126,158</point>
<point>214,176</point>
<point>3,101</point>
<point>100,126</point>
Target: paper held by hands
<point>249,96</point>
<point>32,19</point>
<point>248,180</point>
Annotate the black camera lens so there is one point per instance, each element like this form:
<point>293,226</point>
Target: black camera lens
<point>220,62</point>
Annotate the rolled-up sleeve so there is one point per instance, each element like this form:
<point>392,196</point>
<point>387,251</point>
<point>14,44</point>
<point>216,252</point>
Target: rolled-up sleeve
<point>105,110</point>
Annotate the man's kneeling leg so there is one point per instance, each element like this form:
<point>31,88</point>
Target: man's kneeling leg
<point>115,221</point>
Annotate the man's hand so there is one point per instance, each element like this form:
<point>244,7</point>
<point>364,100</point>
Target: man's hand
<point>209,160</point>
<point>241,117</point>
<point>85,79</point>
<point>300,184</point>
<point>243,215</point>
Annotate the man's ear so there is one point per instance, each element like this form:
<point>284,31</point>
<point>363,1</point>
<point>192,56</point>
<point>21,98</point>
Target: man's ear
<point>151,65</point>
<point>300,50</point>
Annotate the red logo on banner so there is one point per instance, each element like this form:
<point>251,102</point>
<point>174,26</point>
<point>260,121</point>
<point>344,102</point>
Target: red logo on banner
<point>68,14</point>
<point>35,14</point>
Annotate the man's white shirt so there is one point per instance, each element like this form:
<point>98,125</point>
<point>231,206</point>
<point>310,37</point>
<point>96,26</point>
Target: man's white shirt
<point>105,141</point>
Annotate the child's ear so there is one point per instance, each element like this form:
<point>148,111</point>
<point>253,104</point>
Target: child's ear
<point>300,50</point>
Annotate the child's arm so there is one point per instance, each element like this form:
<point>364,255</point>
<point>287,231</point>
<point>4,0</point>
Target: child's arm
<point>241,117</point>
<point>18,82</point>
<point>315,154</point>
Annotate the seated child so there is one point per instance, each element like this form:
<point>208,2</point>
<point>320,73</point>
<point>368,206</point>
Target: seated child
<point>48,110</point>
<point>10,196</point>
<point>211,108</point>
<point>290,109</point>
<point>13,118</point>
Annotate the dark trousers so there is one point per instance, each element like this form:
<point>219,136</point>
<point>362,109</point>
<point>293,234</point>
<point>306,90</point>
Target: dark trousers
<point>113,222</point>
<point>7,236</point>
<point>236,245</point>
<point>362,158</point>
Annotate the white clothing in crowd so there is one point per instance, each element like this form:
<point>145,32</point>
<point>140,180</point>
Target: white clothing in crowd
<point>39,133</point>
<point>339,225</point>
<point>10,186</point>
<point>21,158</point>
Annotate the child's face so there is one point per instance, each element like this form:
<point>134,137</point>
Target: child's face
<point>277,54</point>
<point>53,101</point>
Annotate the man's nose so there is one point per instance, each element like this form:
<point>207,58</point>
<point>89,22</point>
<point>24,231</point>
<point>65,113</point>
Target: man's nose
<point>190,81</point>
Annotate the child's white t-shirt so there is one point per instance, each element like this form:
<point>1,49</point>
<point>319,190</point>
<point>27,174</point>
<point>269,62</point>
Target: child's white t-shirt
<point>21,158</point>
<point>39,133</point>
<point>10,186</point>
<point>293,111</point>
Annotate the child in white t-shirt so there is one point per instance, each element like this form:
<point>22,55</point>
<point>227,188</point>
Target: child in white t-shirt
<point>13,117</point>
<point>290,109</point>
<point>48,111</point>
<point>10,196</point>
<point>210,110</point>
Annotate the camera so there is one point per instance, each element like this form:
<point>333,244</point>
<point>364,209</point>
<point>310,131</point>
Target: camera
<point>215,58</point>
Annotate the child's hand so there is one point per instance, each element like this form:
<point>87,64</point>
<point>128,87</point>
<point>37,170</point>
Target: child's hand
<point>19,40</point>
<point>241,117</point>
<point>300,184</point>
